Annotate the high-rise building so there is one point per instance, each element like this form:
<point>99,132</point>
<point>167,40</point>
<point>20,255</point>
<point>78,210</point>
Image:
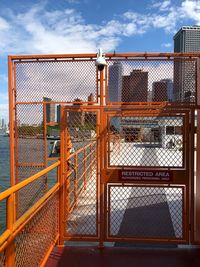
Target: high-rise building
<point>186,40</point>
<point>162,90</point>
<point>50,110</point>
<point>135,86</point>
<point>115,82</point>
<point>58,113</point>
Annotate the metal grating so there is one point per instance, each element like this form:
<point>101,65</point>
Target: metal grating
<point>146,212</point>
<point>61,81</point>
<point>141,80</point>
<point>146,141</point>
<point>35,239</point>
<point>30,134</point>
<point>31,193</point>
<point>81,127</point>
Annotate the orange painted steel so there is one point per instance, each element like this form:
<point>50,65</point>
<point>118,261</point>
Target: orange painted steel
<point>7,239</point>
<point>92,169</point>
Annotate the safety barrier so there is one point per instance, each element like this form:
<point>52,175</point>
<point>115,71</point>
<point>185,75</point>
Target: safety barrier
<point>133,128</point>
<point>30,238</point>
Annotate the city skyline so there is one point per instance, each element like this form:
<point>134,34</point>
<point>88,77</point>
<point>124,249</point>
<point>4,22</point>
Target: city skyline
<point>80,27</point>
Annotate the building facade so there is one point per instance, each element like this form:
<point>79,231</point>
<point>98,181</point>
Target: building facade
<point>186,40</point>
<point>162,90</point>
<point>50,110</point>
<point>115,82</point>
<point>135,86</point>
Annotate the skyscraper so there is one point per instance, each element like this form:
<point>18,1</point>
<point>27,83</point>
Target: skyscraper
<point>135,86</point>
<point>162,90</point>
<point>58,113</point>
<point>50,110</point>
<point>186,40</point>
<point>115,82</point>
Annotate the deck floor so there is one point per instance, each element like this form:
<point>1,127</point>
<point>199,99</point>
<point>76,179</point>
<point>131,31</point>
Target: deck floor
<point>107,257</point>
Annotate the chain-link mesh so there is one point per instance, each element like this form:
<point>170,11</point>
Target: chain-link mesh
<point>2,259</point>
<point>34,240</point>
<point>82,219</point>
<point>81,127</point>
<point>30,194</point>
<point>30,152</point>
<point>60,81</point>
<point>146,212</point>
<point>30,134</point>
<point>146,141</point>
<point>152,80</point>
<point>3,209</point>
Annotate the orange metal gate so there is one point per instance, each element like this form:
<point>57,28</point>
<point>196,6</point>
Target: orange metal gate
<point>146,175</point>
<point>131,182</point>
<point>132,126</point>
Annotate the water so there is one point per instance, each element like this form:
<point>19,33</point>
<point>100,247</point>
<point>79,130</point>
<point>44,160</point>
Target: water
<point>4,177</point>
<point>4,163</point>
<point>5,173</point>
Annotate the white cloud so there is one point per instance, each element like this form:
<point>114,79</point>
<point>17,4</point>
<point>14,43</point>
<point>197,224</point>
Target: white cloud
<point>3,78</point>
<point>65,31</point>
<point>167,45</point>
<point>4,25</point>
<point>191,10</point>
<point>162,6</point>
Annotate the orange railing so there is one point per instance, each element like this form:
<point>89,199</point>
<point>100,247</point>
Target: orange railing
<point>18,246</point>
<point>29,239</point>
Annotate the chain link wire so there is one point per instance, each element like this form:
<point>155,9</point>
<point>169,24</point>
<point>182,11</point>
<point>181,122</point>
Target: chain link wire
<point>35,239</point>
<point>152,80</point>
<point>146,141</point>
<point>146,212</point>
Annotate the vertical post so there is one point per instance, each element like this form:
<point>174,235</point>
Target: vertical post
<point>11,121</point>
<point>85,168</point>
<point>101,241</point>
<point>197,189</point>
<point>11,208</point>
<point>90,161</point>
<point>45,142</point>
<point>62,177</point>
<point>10,251</point>
<point>75,181</point>
<point>191,175</point>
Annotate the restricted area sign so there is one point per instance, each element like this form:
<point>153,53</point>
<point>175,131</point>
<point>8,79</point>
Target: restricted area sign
<point>146,175</point>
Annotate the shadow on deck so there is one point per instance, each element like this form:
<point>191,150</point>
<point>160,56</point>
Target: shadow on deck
<point>151,257</point>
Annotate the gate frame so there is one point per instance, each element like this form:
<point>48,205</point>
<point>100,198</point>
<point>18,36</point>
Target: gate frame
<point>12,60</point>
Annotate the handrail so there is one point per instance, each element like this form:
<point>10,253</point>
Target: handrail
<point>81,149</point>
<point>27,181</point>
<point>9,235</point>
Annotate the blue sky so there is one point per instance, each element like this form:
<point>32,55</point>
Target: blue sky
<point>79,26</point>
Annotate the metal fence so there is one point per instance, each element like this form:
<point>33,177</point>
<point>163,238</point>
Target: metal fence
<point>135,116</point>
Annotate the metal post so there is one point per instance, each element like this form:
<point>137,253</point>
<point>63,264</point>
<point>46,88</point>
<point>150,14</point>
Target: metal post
<point>101,245</point>
<point>62,178</point>
<point>10,251</point>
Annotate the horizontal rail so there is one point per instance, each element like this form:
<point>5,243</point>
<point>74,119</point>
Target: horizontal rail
<point>112,55</point>
<point>26,182</point>
<point>80,150</point>
<point>9,235</point>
